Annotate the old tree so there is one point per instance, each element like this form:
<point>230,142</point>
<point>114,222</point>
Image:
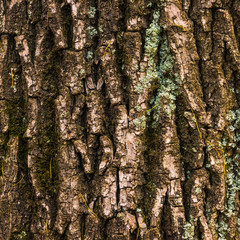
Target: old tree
<point>119,119</point>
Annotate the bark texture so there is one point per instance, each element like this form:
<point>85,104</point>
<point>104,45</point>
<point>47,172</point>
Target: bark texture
<point>119,119</point>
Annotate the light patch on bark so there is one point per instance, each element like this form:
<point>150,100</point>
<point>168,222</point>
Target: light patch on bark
<point>79,35</point>
<point>81,147</point>
<point>32,124</point>
<point>170,165</point>
<point>25,50</point>
<point>108,192</point>
<point>13,2</point>
<point>157,206</point>
<point>175,17</point>
<point>131,148</point>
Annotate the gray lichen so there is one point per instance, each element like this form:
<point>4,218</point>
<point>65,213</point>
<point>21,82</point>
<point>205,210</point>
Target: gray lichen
<point>140,122</point>
<point>233,175</point>
<point>188,231</point>
<point>162,75</point>
<point>89,56</point>
<point>92,12</point>
<point>151,46</point>
<point>168,90</point>
<point>92,32</point>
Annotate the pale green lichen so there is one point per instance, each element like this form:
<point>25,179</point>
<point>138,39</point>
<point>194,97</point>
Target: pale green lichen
<point>140,122</point>
<point>208,165</point>
<point>162,75</point>
<point>194,149</point>
<point>92,12</point>
<point>150,51</point>
<point>188,231</point>
<point>92,32</point>
<point>100,29</point>
<point>137,108</point>
<point>89,55</point>
<point>232,173</point>
<point>168,90</point>
<point>121,215</point>
<point>233,176</point>
<point>238,224</point>
<point>188,176</point>
<point>223,228</point>
<point>149,4</point>
<point>19,235</point>
<point>81,72</point>
<point>151,46</point>
<point>198,190</point>
<point>138,210</point>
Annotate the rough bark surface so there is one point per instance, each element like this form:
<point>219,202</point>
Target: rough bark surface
<point>119,119</point>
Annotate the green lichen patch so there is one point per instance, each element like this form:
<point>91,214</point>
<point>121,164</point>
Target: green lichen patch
<point>152,40</point>
<point>91,13</point>
<point>223,228</point>
<point>19,235</point>
<point>89,56</point>
<point>92,31</point>
<point>160,77</point>
<point>140,122</point>
<point>233,162</point>
<point>167,92</point>
<point>188,229</point>
<point>231,143</point>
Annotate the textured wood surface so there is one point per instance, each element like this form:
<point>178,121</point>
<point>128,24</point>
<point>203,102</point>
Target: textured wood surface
<point>119,119</point>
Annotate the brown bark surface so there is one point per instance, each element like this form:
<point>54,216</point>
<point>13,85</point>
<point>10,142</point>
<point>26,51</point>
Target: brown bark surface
<point>119,119</point>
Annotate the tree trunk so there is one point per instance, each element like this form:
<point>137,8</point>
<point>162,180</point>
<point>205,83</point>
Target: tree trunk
<point>119,119</point>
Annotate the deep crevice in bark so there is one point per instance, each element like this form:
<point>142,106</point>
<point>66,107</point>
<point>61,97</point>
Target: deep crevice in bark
<point>166,223</point>
<point>68,24</point>
<point>118,186</point>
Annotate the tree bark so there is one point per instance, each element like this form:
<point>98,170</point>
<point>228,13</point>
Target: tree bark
<point>119,119</point>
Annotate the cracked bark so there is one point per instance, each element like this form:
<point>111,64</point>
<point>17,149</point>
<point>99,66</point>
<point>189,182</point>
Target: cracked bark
<point>119,119</point>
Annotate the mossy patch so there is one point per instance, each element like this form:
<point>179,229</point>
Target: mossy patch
<point>151,140</point>
<point>19,235</point>
<point>3,149</point>
<point>16,115</point>
<point>146,203</point>
<point>47,140</point>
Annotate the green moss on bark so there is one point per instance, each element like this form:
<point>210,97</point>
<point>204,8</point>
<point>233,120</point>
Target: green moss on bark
<point>46,161</point>
<point>19,235</point>
<point>47,141</point>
